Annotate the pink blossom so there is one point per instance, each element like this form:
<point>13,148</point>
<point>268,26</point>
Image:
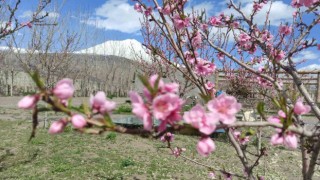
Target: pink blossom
<point>167,137</point>
<point>282,114</point>
<point>288,139</point>
<point>285,30</point>
<point>294,14</point>
<point>209,85</point>
<point>205,146</point>
<point>276,139</point>
<point>148,11</point>
<point>215,21</point>
<point>78,121</point>
<point>225,108</point>
<point>204,68</point>
<point>220,55</point>
<point>100,104</point>
<point>279,55</point>
<point>190,57</point>
<point>162,87</point>
<point>257,6</point>
<point>28,102</point>
<point>266,36</point>
<point>300,109</point>
<point>198,118</point>
<point>178,151</point>
<point>274,119</point>
<point>141,110</point>
<point>166,108</point>
<point>308,3</point>
<point>211,175</point>
<point>197,40</point>
<point>138,7</point>
<point>241,140</point>
<point>58,126</point>
<point>167,9</point>
<point>235,24</point>
<point>170,88</point>
<point>204,27</point>
<point>243,38</point>
<point>181,21</point>
<point>64,89</point>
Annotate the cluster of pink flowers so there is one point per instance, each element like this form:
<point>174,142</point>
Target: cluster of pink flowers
<point>244,43</point>
<point>263,82</point>
<point>201,67</point>
<point>204,67</point>
<point>164,104</point>
<point>307,3</point>
<point>257,6</point>
<point>197,40</point>
<point>100,104</point>
<point>287,138</point>
<point>223,20</point>
<point>278,55</point>
<point>167,137</point>
<point>63,91</point>
<point>139,8</point>
<point>223,109</point>
<point>181,21</point>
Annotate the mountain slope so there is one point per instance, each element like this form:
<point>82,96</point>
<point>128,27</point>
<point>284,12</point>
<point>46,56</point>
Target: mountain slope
<point>130,49</point>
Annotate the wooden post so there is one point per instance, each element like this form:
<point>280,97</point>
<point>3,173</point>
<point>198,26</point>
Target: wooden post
<point>318,88</point>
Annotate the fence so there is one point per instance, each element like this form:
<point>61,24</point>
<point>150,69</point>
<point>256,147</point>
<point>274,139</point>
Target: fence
<point>311,80</point>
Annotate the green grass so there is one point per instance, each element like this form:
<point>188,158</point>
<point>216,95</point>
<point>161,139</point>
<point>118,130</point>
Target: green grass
<point>123,109</point>
<point>72,155</point>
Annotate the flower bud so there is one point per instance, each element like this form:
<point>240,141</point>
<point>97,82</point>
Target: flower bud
<point>78,121</point>
<point>64,89</point>
<point>28,102</point>
<point>58,126</point>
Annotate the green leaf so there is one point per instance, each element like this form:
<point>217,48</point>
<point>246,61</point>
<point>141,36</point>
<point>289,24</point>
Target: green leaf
<point>260,108</point>
<point>108,121</point>
<point>156,86</point>
<point>205,97</point>
<point>36,78</point>
<point>276,102</point>
<point>145,82</point>
<point>85,107</point>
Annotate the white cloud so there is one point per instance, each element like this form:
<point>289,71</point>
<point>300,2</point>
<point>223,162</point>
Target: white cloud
<point>279,12</point>
<point>29,14</point>
<point>311,67</point>
<point>305,56</point>
<point>206,5</point>
<point>116,15</point>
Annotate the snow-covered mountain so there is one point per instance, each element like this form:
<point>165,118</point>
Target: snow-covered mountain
<point>129,48</point>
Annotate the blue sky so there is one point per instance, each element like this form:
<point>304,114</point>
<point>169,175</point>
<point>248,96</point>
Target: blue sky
<point>116,19</point>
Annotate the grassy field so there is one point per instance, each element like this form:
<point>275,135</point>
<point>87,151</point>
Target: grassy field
<point>117,156</point>
<point>72,155</point>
